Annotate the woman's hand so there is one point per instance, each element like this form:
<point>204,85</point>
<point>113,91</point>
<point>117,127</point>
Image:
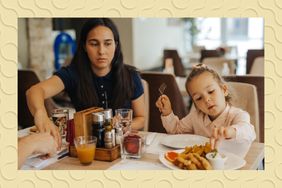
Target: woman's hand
<point>221,133</point>
<point>164,105</point>
<point>44,124</point>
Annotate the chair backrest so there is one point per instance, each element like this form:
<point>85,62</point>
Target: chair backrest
<point>258,67</point>
<point>209,53</point>
<point>154,80</point>
<point>258,81</point>
<point>27,78</point>
<point>197,49</point>
<point>147,103</point>
<point>179,69</point>
<point>217,63</point>
<point>244,96</point>
<point>251,56</point>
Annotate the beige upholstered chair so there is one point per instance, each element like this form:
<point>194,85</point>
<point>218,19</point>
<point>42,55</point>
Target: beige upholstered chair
<point>258,81</point>
<point>251,56</point>
<point>217,63</point>
<point>258,67</point>
<point>147,104</point>
<point>244,96</point>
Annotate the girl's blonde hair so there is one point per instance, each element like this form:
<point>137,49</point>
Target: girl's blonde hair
<point>201,68</point>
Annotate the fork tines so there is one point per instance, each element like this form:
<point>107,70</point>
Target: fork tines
<point>162,88</point>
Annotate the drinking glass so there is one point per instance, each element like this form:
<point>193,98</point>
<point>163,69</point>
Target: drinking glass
<point>132,145</point>
<point>85,147</point>
<point>124,118</point>
<point>60,118</point>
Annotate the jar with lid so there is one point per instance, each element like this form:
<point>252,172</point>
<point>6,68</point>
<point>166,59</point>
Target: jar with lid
<point>108,114</point>
<point>109,138</point>
<point>98,129</point>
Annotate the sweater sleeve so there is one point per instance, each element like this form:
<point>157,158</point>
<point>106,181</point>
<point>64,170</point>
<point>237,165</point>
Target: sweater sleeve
<point>173,125</point>
<point>244,129</point>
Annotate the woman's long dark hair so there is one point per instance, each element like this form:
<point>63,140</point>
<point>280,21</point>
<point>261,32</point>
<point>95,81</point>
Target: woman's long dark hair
<point>123,86</point>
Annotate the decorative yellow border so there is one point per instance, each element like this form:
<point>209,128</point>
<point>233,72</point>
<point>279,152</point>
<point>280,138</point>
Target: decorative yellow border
<point>11,10</point>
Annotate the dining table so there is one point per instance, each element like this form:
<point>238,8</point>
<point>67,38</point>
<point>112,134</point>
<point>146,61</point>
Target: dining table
<point>150,159</point>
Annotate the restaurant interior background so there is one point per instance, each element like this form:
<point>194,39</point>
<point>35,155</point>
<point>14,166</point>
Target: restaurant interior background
<point>233,46</point>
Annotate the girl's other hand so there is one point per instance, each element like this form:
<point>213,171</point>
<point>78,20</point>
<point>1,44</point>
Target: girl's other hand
<point>164,105</point>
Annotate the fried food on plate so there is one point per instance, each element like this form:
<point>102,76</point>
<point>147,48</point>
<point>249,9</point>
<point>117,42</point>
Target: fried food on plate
<point>192,158</point>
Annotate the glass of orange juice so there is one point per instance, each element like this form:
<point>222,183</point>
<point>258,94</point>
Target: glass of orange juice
<point>85,147</point>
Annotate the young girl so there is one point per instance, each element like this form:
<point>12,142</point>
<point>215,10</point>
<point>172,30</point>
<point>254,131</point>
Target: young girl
<point>213,115</point>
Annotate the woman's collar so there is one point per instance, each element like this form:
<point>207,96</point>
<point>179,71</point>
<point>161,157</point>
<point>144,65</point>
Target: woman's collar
<point>107,76</point>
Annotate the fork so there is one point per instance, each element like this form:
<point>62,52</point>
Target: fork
<point>162,88</point>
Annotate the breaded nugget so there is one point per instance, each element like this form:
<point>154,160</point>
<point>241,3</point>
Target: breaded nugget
<point>195,161</point>
<point>192,166</point>
<point>205,162</point>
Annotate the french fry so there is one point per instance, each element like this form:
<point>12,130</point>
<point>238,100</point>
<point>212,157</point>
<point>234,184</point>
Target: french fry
<point>187,150</point>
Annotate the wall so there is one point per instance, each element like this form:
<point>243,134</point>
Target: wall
<point>142,39</point>
<point>151,36</point>
<point>22,43</point>
<point>41,46</point>
<point>124,26</point>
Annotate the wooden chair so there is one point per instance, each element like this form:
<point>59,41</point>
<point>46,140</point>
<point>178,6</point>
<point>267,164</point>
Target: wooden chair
<point>217,63</point>
<point>155,79</point>
<point>27,78</point>
<point>147,104</point>
<point>209,53</point>
<point>179,69</point>
<point>251,56</point>
<point>258,67</point>
<point>258,81</point>
<point>244,96</point>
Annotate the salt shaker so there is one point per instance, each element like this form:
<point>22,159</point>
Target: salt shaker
<point>119,134</point>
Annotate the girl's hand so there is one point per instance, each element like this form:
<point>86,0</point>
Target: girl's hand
<point>221,133</point>
<point>44,124</point>
<point>164,105</point>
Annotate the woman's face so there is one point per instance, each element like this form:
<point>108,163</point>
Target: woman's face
<point>208,95</point>
<point>100,47</point>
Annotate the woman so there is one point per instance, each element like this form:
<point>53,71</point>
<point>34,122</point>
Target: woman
<point>96,76</point>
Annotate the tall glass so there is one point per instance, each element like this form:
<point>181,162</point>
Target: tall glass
<point>60,118</point>
<point>124,118</point>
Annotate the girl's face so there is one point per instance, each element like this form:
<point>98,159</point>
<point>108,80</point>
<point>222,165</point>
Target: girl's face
<point>100,47</point>
<point>207,94</point>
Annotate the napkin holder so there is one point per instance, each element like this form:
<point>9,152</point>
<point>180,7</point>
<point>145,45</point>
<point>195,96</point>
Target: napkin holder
<point>82,127</point>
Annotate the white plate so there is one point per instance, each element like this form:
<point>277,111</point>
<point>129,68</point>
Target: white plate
<point>180,141</point>
<point>233,162</point>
